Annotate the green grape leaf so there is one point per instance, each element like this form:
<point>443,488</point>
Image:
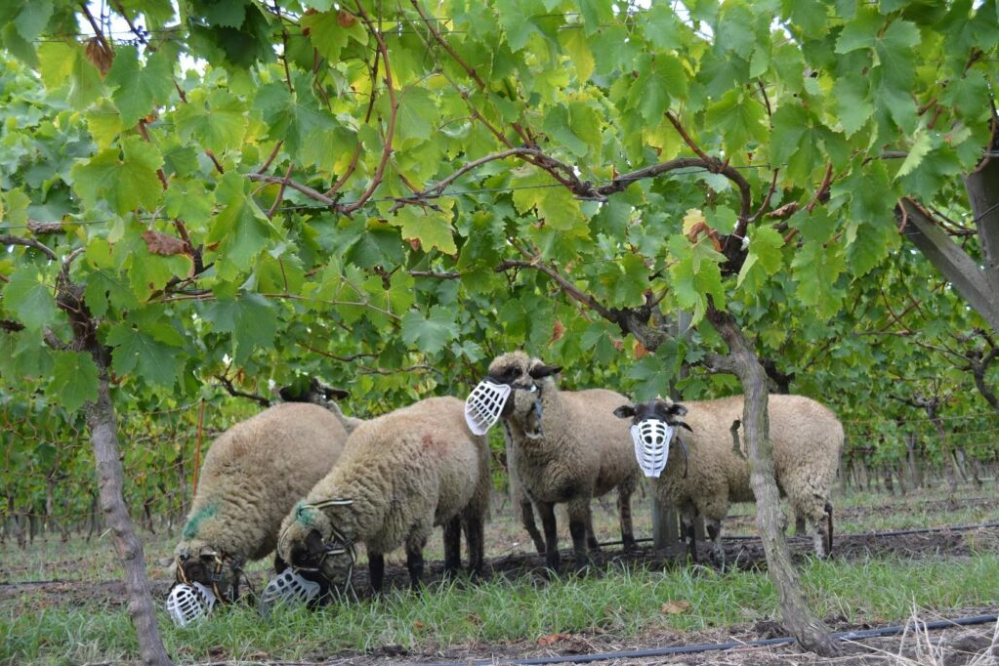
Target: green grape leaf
<point>431,228</point>
<point>138,352</point>
<point>218,120</point>
<point>555,205</point>
<point>429,334</point>
<point>29,298</point>
<point>75,379</point>
<point>126,180</point>
<point>138,89</point>
<point>739,118</point>
<point>65,64</point>
<point>241,229</point>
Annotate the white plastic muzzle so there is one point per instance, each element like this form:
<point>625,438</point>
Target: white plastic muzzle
<point>652,438</point>
<point>189,603</point>
<point>288,588</point>
<point>484,405</point>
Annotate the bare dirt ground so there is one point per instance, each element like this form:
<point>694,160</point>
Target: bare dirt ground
<point>744,554</point>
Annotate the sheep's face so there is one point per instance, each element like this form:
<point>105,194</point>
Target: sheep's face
<point>660,409</point>
<point>525,375</point>
<point>652,428</point>
<point>198,562</point>
<point>316,549</point>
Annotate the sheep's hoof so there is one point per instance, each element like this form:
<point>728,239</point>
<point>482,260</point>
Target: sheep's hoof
<point>718,556</point>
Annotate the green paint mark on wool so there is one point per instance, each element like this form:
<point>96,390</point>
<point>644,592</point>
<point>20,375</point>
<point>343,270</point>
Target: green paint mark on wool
<point>303,514</point>
<point>201,515</point>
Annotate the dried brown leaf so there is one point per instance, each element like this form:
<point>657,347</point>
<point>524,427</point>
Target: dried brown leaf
<point>99,55</point>
<point>162,244</point>
<point>675,607</point>
<point>345,18</point>
<point>558,330</point>
<point>551,639</point>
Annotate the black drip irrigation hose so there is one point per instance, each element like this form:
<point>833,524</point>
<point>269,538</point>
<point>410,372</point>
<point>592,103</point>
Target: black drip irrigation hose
<point>730,645</point>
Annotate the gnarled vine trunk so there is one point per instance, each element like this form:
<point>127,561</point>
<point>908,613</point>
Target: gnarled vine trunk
<point>810,632</point>
<point>104,439</point>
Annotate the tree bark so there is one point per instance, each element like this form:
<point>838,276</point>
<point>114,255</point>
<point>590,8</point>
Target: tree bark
<point>983,195</point>
<point>666,519</point>
<point>980,288</point>
<point>948,456</point>
<point>910,445</point>
<point>104,438</point>
<point>810,632</point>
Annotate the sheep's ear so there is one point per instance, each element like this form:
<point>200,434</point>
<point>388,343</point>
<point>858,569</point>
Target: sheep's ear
<point>329,392</point>
<point>541,371</point>
<point>676,409</point>
<point>625,412</point>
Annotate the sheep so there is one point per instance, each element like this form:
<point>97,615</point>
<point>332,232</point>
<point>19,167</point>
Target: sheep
<point>567,449</point>
<point>710,469</point>
<point>522,502</point>
<point>252,476</point>
<point>402,474</point>
<point>318,393</point>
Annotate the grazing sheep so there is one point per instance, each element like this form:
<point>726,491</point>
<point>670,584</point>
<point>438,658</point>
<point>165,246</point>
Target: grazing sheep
<point>713,470</point>
<point>568,448</point>
<point>318,393</point>
<point>251,478</point>
<point>402,474</point>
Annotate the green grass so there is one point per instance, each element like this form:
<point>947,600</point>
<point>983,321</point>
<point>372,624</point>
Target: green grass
<point>625,603</point>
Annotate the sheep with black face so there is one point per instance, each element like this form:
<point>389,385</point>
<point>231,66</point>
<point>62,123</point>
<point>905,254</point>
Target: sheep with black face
<point>711,469</point>
<point>568,449</point>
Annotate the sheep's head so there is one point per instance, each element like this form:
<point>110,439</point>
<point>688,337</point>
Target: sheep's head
<point>652,427</point>
<point>200,562</point>
<point>315,548</point>
<point>526,376</point>
<point>660,409</point>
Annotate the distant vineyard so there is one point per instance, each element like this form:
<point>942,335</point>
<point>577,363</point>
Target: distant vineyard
<point>50,489</point>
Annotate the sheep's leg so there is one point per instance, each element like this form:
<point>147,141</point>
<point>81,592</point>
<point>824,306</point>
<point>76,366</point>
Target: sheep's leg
<point>822,533</point>
<point>580,516</point>
<point>376,571</point>
<point>591,536</point>
<point>452,547</point>
<point>475,538</point>
<point>800,527</point>
<point>527,518</point>
<point>690,537</point>
<point>624,511</point>
<point>713,528</point>
<point>688,516</point>
<point>547,513</point>
<point>414,563</point>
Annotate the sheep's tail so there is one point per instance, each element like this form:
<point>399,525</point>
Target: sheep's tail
<point>829,531</point>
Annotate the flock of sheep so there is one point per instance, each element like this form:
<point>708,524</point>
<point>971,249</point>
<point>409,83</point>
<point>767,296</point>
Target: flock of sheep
<point>311,483</point>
